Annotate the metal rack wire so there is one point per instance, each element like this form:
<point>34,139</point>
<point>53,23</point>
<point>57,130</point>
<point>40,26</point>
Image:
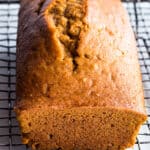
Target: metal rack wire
<point>139,13</point>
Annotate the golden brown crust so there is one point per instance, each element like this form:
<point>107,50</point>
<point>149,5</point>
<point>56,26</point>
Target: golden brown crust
<point>75,54</point>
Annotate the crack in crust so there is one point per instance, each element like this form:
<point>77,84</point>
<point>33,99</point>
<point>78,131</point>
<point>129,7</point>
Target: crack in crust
<point>68,16</point>
<point>40,5</point>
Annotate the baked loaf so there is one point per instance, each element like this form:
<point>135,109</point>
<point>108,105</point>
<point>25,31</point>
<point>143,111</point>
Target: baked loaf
<point>78,78</point>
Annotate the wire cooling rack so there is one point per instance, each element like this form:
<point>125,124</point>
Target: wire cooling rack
<point>139,13</point>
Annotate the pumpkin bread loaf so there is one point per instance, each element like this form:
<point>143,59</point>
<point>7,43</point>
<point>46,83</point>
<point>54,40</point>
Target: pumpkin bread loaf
<point>78,77</point>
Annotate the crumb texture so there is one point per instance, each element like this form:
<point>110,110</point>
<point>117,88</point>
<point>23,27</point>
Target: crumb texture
<point>73,129</point>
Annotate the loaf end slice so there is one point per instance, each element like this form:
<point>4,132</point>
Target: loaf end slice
<point>44,128</point>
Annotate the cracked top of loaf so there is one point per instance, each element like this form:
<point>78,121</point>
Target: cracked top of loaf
<point>74,53</point>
